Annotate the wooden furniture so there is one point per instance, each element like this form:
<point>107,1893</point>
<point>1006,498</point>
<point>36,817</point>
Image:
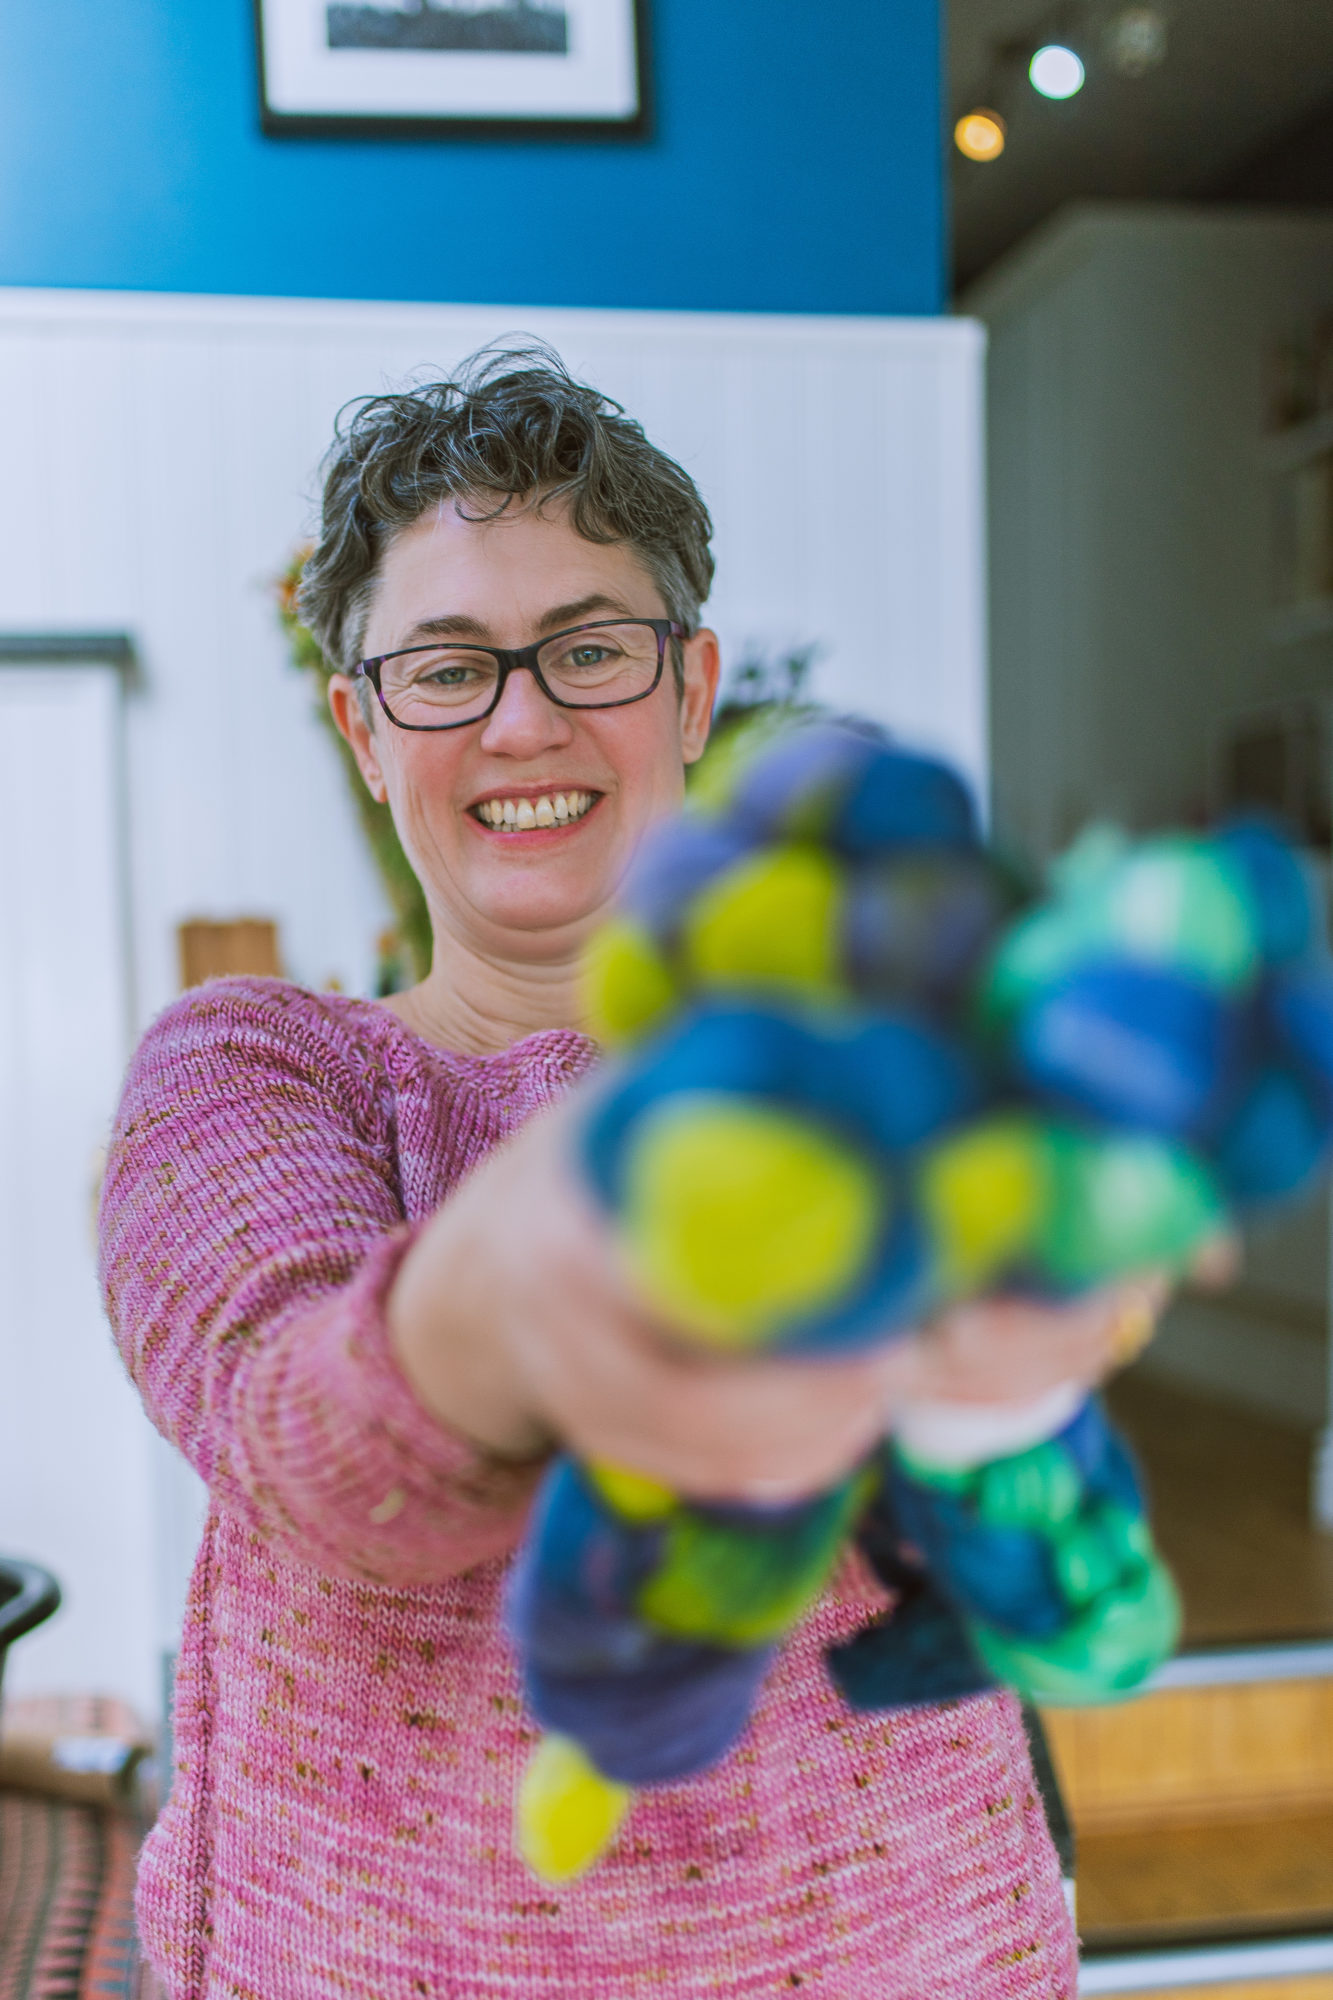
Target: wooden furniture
<point>211,950</point>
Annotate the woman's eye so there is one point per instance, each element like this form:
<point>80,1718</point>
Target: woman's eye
<point>587,656</point>
<point>449,676</point>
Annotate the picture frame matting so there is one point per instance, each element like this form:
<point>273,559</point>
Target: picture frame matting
<point>412,69</point>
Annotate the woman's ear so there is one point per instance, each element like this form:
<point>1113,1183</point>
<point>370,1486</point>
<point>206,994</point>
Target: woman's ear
<point>351,723</point>
<point>702,663</point>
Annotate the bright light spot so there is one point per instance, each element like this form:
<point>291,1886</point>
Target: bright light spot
<point>980,135</point>
<point>1056,71</point>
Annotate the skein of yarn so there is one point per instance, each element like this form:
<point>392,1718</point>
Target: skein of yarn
<point>865,1074</point>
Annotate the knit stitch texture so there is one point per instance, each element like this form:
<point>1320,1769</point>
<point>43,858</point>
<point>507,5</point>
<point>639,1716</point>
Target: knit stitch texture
<point>349,1724</point>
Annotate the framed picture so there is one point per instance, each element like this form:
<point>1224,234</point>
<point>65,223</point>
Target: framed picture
<point>415,68</point>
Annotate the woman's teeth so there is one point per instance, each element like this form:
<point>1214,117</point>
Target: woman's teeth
<point>553,809</point>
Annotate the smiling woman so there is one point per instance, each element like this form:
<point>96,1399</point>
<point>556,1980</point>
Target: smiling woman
<point>600,725</point>
<point>368,1336</point>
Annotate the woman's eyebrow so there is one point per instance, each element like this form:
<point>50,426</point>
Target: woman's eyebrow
<point>458,625</point>
<point>570,614</point>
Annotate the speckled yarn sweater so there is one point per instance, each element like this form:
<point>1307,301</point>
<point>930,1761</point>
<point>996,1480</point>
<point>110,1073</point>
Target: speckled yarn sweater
<point>349,1722</point>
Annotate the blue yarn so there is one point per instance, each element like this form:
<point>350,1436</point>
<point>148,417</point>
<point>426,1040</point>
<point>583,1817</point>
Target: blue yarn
<point>1128,1044</point>
<point>906,801</point>
<point>1003,1576</point>
<point>679,1711</point>
<point>576,1580</point>
<point>1300,1005</point>
<point>1277,884</point>
<point>895,1293</point>
<point>741,1052</point>
<point>794,789</point>
<point>916,928</point>
<point>885,1084</point>
<point>671,868</point>
<point>565,1634</point>
<point>1275,1142</point>
<point>851,788</point>
<point>897,1082</point>
<point>1242,1072</point>
<point>1100,1457</point>
<point>923,1655</point>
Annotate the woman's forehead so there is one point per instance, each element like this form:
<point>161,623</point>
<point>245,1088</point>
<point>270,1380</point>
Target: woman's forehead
<point>525,565</point>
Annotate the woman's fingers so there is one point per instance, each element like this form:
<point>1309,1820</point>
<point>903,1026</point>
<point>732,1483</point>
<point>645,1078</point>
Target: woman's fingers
<point>1013,1350</point>
<point>612,1384</point>
<point>1218,1263</point>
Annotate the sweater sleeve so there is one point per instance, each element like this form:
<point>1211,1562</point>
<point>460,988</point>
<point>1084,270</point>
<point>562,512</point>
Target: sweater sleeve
<point>251,1230</point>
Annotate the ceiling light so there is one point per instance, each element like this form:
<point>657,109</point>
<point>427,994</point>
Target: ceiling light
<point>979,135</point>
<point>1136,40</point>
<point>1056,71</point>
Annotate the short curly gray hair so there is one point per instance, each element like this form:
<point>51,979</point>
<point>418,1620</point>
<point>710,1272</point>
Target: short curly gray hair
<point>512,425</point>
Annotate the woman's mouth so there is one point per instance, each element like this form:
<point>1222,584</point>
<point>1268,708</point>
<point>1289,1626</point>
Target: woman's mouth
<point>506,815</point>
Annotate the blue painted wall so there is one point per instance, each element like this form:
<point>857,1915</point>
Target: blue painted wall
<point>796,167</point>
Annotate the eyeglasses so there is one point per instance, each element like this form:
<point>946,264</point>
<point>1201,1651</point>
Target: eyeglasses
<point>604,665</point>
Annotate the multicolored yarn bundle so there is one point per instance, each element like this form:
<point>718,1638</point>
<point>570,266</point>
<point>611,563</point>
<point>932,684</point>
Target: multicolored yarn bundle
<point>867,1076</point>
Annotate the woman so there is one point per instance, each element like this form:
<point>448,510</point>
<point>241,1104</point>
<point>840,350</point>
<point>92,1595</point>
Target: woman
<point>366,1322</point>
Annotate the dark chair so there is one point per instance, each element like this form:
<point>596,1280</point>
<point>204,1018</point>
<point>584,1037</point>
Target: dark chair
<point>28,1596</point>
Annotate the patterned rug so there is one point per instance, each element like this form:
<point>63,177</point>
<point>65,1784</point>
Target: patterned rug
<point>67,1902</point>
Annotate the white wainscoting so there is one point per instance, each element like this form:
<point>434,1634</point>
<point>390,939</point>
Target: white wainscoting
<point>159,468</point>
<point>76,1451</point>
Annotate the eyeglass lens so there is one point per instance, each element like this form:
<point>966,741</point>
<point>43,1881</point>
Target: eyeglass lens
<point>590,668</point>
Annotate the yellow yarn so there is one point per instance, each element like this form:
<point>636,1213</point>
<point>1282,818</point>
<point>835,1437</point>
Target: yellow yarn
<point>568,1813</point>
<point>739,1217</point>
<point>626,983</point>
<point>629,1494</point>
<point>984,1193</point>
<point>771,920</point>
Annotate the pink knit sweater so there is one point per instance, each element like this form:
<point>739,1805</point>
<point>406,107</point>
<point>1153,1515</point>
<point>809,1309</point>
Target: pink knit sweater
<point>349,1727</point>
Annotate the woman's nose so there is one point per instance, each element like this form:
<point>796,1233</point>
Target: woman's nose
<point>524,720</point>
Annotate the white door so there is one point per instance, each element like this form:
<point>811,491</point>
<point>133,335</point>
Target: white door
<point>76,1453</point>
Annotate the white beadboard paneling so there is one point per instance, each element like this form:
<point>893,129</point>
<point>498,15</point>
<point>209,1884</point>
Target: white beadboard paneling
<point>75,1447</point>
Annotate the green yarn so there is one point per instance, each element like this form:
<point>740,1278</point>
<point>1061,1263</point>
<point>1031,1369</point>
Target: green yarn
<point>1038,1489</point>
<point>734,1585</point>
<point>1123,1202</point>
<point>1037,951</point>
<point>1177,903</point>
<point>1104,1654</point>
<point>1172,902</point>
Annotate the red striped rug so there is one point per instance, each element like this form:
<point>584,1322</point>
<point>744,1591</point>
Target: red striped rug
<point>67,1902</point>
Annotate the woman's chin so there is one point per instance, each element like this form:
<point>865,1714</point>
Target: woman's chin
<point>551,901</point>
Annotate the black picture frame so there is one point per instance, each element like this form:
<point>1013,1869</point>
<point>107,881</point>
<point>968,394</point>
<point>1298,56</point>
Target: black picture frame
<point>276,122</point>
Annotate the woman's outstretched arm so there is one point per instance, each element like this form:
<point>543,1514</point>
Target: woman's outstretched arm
<point>251,1233</point>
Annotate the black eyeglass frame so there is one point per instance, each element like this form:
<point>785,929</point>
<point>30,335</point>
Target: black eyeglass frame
<point>510,659</point>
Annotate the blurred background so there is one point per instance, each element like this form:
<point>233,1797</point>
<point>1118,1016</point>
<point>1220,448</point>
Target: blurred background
<point>1000,339</point>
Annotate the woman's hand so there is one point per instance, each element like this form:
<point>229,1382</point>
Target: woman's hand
<point>516,1324</point>
<point>1014,1350</point>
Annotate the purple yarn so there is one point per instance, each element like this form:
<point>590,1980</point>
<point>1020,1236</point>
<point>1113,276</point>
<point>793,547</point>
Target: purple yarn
<point>674,1714</point>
